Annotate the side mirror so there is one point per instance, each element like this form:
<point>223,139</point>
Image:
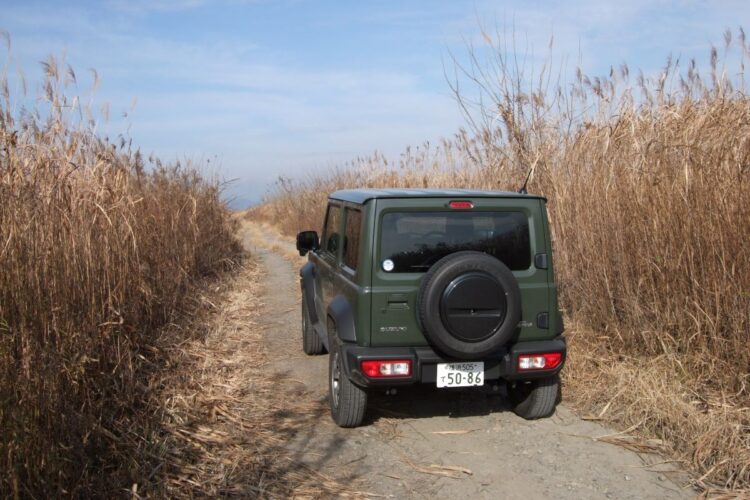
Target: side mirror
<point>306,241</point>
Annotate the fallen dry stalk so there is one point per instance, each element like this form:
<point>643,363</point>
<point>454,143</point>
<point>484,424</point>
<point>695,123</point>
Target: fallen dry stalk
<point>451,471</point>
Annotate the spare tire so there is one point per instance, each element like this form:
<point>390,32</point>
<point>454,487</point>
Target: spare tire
<point>469,305</point>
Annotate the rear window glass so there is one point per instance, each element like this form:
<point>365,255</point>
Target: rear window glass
<point>415,241</point>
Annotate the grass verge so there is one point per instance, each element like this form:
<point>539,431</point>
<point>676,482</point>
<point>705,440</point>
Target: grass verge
<point>225,427</point>
<point>100,250</point>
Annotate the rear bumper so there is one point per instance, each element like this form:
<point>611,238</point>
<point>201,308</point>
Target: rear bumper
<point>425,360</point>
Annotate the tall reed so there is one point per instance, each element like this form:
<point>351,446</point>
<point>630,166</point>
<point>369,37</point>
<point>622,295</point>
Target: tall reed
<point>98,249</point>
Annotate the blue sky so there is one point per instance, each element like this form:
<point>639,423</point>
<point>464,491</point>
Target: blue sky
<point>285,87</point>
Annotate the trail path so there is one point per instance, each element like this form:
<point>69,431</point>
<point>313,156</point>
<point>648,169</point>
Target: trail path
<point>422,444</point>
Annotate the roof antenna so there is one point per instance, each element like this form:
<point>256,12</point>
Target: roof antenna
<point>528,176</point>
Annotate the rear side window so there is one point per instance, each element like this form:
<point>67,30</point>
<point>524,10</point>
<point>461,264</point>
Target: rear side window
<point>331,237</point>
<point>413,242</point>
<point>351,240</point>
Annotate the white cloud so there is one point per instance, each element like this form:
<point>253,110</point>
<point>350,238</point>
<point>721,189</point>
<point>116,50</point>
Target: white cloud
<point>263,109</point>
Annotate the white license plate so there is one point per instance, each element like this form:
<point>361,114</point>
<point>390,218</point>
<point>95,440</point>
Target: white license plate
<point>460,374</point>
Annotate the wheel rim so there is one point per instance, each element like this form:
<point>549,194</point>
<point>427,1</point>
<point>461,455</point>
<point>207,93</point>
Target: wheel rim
<point>335,380</point>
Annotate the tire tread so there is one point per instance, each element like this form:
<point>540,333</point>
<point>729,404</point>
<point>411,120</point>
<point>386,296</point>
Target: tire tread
<point>352,399</point>
<point>352,404</point>
<point>311,342</point>
<point>541,400</point>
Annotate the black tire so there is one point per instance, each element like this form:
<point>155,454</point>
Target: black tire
<point>311,342</point>
<point>469,305</point>
<point>348,402</point>
<point>535,398</point>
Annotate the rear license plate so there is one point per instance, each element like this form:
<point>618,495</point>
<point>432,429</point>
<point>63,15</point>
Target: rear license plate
<point>460,374</point>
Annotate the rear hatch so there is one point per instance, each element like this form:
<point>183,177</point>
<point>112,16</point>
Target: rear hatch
<point>413,234</point>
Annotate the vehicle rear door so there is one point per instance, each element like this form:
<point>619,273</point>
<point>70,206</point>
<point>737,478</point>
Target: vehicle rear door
<point>394,290</point>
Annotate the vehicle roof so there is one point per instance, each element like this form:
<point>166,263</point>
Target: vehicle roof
<point>361,196</point>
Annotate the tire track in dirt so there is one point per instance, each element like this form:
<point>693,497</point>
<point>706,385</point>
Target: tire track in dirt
<point>429,443</point>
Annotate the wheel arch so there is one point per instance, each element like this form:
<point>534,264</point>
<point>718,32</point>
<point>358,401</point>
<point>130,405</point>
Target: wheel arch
<point>340,311</point>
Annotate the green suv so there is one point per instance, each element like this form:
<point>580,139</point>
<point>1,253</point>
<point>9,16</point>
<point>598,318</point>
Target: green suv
<point>447,287</point>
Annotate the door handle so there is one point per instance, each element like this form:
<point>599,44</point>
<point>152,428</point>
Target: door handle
<point>397,301</point>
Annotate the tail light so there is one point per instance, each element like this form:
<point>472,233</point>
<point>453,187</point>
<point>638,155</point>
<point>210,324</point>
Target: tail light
<point>461,205</point>
<point>386,368</point>
<point>541,361</point>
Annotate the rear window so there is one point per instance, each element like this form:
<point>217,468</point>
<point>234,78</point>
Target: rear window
<point>413,242</point>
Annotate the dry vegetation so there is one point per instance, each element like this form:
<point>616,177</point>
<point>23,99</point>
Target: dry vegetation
<point>226,428</point>
<point>98,251</point>
<point>649,200</point>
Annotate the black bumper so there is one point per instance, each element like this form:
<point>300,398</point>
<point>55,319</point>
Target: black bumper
<point>424,362</point>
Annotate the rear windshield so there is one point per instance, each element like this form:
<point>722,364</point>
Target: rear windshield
<point>413,242</point>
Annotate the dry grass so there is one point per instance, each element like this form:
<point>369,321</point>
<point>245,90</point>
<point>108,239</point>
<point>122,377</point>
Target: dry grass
<point>226,426</point>
<point>270,237</point>
<point>647,179</point>
<point>99,249</point>
<point>707,431</point>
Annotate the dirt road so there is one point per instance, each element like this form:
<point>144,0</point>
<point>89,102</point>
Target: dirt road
<point>432,444</point>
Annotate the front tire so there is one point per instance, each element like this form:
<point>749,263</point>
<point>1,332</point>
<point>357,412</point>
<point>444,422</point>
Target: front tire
<point>348,402</point>
<point>536,398</point>
<point>311,342</point>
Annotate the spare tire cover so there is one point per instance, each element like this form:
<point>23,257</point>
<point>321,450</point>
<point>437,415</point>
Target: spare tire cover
<point>469,305</point>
